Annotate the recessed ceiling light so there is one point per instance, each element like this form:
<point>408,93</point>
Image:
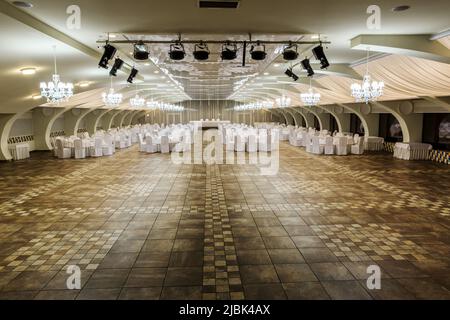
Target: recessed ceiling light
<point>146,64</point>
<point>22,4</point>
<point>316,36</point>
<point>276,65</point>
<point>84,84</point>
<point>400,8</point>
<point>112,36</point>
<point>266,73</point>
<point>37,97</point>
<point>156,71</point>
<point>28,71</point>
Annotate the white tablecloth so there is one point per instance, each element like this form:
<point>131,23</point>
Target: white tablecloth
<point>412,151</point>
<point>373,143</point>
<point>20,151</point>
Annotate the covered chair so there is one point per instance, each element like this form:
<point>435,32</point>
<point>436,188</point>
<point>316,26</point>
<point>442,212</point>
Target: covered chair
<point>308,143</point>
<point>142,144</point>
<point>150,147</point>
<point>97,148</point>
<point>165,146</point>
<point>358,148</point>
<point>80,151</point>
<point>108,145</point>
<point>329,146</point>
<point>240,143</point>
<point>341,146</point>
<point>252,145</point>
<point>230,142</point>
<point>316,148</point>
<point>62,153</point>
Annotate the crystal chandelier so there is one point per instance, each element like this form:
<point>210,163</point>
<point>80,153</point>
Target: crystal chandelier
<point>170,107</point>
<point>112,99</point>
<point>267,104</point>
<point>56,91</point>
<point>137,101</point>
<point>310,98</point>
<point>369,90</point>
<point>284,101</point>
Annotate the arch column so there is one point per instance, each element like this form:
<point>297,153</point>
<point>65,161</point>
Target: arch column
<point>300,112</point>
<point>411,124</point>
<point>6,123</point>
<point>72,119</point>
<point>43,120</point>
<point>370,121</point>
<point>93,119</point>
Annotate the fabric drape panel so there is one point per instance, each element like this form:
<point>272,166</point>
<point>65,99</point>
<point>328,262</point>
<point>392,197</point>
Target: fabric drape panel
<point>203,109</point>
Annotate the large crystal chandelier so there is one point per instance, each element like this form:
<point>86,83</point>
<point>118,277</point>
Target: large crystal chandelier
<point>56,91</point>
<point>369,90</point>
<point>283,101</point>
<point>112,99</point>
<point>137,101</point>
<point>310,98</point>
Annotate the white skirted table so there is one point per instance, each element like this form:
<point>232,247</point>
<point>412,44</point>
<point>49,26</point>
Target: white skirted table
<point>412,151</point>
<point>209,123</point>
<point>20,151</point>
<point>373,143</point>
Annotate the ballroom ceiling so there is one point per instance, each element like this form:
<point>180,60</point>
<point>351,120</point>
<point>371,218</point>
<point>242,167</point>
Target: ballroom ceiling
<point>28,34</point>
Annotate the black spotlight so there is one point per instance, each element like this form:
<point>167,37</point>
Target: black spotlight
<point>307,66</point>
<point>201,51</point>
<point>291,74</point>
<point>140,51</point>
<point>132,75</point>
<point>320,55</point>
<point>229,51</point>
<point>177,51</point>
<point>117,65</point>
<point>258,52</point>
<point>109,53</point>
<point>290,52</point>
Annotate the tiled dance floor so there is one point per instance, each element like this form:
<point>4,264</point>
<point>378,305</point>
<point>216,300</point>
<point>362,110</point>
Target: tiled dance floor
<point>141,227</point>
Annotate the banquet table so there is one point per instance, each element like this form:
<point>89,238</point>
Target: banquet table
<point>209,124</point>
<point>20,151</point>
<point>412,151</point>
<point>373,143</point>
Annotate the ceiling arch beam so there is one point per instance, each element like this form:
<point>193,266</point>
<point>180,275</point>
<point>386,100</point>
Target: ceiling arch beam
<point>419,46</point>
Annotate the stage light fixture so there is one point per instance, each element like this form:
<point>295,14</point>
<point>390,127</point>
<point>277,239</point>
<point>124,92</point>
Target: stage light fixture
<point>258,51</point>
<point>320,55</point>
<point>290,52</point>
<point>177,51</point>
<point>132,75</point>
<point>116,67</point>
<point>108,54</point>
<point>291,74</point>
<point>307,66</point>
<point>201,51</point>
<point>140,51</point>
<point>229,51</point>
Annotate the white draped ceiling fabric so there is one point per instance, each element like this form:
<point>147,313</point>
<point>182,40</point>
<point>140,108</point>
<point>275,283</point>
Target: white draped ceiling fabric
<point>404,78</point>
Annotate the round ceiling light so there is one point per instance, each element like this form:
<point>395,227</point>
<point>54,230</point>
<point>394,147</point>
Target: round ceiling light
<point>28,71</point>
<point>22,4</point>
<point>400,8</point>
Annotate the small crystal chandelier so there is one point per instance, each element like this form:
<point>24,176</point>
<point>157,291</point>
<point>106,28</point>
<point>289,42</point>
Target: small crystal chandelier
<point>112,99</point>
<point>137,101</point>
<point>283,101</point>
<point>369,90</point>
<point>310,98</point>
<point>56,91</point>
<point>267,104</point>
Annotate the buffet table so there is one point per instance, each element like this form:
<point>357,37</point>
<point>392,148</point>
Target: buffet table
<point>373,143</point>
<point>20,151</point>
<point>412,151</point>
